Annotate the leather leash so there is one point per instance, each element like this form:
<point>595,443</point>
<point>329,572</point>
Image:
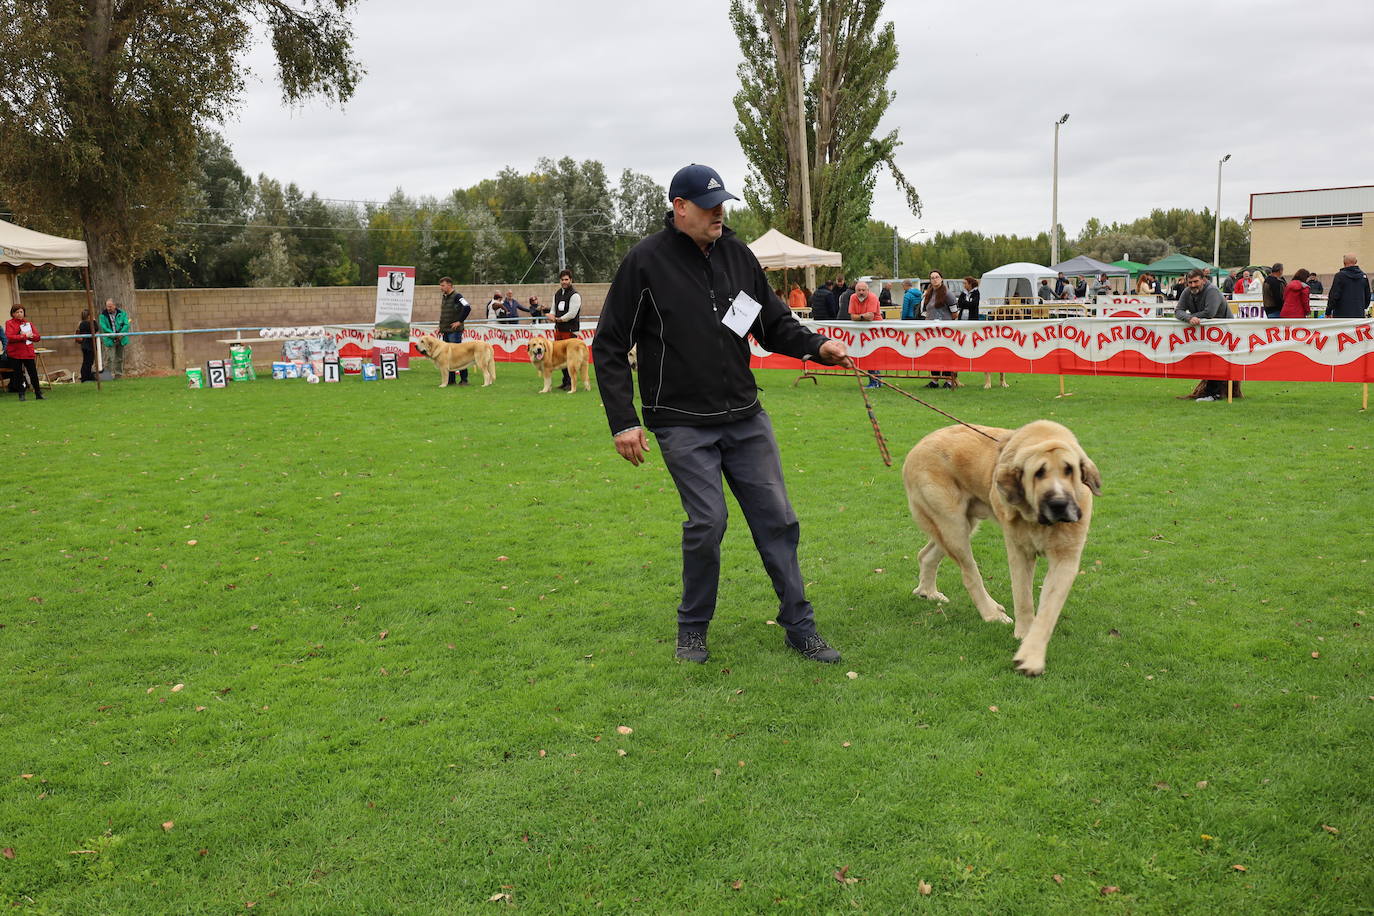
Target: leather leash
<point>861,377</point>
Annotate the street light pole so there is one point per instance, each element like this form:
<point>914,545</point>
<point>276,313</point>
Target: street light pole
<point>1216,242</point>
<point>1054,202</point>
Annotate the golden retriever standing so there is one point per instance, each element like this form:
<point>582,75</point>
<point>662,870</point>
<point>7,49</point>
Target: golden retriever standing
<point>571,354</point>
<point>450,357</point>
<point>1038,484</point>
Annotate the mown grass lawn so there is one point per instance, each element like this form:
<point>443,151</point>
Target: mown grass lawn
<point>367,648</point>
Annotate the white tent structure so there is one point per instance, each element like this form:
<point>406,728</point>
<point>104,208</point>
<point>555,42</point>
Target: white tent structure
<point>23,249</point>
<point>1013,281</point>
<point>776,251</point>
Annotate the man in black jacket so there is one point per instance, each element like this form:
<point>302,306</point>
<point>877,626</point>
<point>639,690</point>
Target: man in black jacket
<point>453,311</point>
<point>1349,291</point>
<point>1273,292</point>
<point>823,305</point>
<point>687,296</point>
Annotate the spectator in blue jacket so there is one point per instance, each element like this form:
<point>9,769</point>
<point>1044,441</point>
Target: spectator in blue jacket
<point>911,301</point>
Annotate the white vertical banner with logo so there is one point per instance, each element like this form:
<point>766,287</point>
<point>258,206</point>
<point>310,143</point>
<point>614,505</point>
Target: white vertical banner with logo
<point>395,301</point>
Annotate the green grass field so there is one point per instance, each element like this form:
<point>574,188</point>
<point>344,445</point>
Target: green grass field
<point>368,648</point>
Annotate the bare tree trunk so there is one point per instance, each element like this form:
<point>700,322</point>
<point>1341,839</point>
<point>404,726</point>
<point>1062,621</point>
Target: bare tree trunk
<point>112,277</point>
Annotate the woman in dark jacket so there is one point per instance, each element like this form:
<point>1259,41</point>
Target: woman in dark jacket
<point>87,327</point>
<point>968,301</point>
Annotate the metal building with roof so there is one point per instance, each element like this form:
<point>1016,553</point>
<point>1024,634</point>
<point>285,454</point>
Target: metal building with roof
<point>1312,229</point>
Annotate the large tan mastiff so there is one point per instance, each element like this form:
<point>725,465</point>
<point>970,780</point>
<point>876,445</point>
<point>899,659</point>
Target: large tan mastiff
<point>1038,484</point>
<point>450,357</point>
<point>571,354</point>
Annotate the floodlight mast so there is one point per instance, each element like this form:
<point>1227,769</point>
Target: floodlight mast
<point>1054,196</point>
<point>1216,241</point>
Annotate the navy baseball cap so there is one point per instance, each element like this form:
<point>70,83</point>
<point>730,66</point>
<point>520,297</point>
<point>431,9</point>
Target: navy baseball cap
<point>701,185</point>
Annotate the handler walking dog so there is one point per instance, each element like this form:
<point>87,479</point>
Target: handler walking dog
<point>687,297</point>
<point>1038,484</point>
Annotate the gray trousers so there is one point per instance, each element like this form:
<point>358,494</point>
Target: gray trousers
<point>745,455</point>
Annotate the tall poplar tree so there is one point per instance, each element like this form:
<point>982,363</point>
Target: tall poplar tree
<point>843,56</point>
<point>103,104</point>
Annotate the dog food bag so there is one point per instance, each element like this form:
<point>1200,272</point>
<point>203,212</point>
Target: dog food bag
<point>195,377</point>
<point>351,365</point>
<point>279,369</point>
<point>241,359</point>
<point>369,372</point>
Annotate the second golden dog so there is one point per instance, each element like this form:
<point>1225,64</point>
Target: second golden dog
<point>571,354</point>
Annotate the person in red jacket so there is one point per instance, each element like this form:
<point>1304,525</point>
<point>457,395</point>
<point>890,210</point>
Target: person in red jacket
<point>20,336</point>
<point>1297,296</point>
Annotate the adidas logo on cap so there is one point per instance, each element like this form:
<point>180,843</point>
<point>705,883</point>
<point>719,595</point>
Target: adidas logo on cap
<point>713,184</point>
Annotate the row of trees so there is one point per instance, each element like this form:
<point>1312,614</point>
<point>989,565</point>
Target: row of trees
<point>1146,239</point>
<point>240,232</point>
<point>243,232</point>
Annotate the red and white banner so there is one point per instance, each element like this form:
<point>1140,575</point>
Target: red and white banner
<point>1325,350</point>
<point>1317,350</point>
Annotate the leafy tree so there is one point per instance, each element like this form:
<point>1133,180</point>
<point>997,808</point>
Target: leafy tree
<point>103,103</point>
<point>273,268</point>
<point>746,222</point>
<point>640,203</point>
<point>844,57</point>
<point>1115,245</point>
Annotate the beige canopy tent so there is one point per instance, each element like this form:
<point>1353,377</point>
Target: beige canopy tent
<point>776,251</point>
<point>23,249</point>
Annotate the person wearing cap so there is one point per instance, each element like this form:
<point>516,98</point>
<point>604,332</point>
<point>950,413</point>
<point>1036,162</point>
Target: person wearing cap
<point>1273,291</point>
<point>687,296</point>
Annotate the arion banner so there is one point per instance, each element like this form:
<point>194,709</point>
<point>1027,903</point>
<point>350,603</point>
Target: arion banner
<point>1318,350</point>
<point>1331,350</point>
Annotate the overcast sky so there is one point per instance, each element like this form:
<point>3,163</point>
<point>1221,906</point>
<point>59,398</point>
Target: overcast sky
<point>1157,93</point>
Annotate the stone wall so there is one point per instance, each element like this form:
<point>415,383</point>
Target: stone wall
<point>185,309</point>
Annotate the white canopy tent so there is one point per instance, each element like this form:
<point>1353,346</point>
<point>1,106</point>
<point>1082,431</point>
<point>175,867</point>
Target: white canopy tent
<point>776,251</point>
<point>1013,281</point>
<point>23,249</point>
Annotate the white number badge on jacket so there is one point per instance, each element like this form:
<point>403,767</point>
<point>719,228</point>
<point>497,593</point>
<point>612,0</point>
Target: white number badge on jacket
<point>742,313</point>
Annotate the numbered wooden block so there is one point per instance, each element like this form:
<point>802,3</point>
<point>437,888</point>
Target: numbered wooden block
<point>216,373</point>
<point>331,369</point>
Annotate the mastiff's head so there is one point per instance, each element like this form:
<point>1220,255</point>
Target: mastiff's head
<point>1045,475</point>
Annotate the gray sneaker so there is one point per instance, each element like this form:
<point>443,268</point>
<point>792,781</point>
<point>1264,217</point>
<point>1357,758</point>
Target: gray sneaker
<point>691,646</point>
<point>814,648</point>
